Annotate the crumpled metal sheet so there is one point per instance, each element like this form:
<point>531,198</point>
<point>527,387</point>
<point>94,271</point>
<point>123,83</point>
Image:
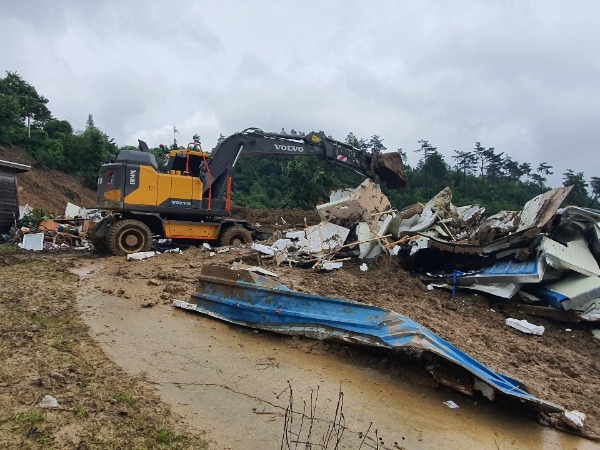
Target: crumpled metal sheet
<point>264,305</point>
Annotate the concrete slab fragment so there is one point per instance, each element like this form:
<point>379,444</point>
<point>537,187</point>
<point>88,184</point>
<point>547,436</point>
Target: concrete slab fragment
<point>325,237</point>
<point>574,256</point>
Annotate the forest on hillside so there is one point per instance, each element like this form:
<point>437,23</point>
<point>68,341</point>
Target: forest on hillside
<point>481,175</point>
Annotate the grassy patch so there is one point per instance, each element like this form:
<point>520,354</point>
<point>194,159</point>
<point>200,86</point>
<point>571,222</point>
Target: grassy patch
<point>8,249</point>
<point>45,348</point>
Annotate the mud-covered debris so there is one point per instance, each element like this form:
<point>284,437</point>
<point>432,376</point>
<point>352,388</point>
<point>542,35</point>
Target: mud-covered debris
<point>48,402</point>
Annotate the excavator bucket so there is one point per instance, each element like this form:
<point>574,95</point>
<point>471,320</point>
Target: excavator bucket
<point>390,170</point>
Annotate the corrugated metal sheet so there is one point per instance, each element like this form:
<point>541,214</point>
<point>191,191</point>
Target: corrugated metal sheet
<point>264,304</point>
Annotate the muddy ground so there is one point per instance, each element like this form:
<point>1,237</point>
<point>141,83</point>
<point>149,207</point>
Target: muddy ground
<point>560,366</point>
<point>45,348</point>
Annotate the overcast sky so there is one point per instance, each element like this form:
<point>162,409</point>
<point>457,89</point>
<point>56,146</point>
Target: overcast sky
<point>520,76</point>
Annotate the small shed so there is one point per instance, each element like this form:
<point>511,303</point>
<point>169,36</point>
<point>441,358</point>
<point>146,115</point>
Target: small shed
<point>9,198</point>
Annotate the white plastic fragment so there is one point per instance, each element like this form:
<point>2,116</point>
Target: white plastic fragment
<point>450,404</point>
<point>48,402</point>
<point>212,254</point>
<point>139,256</point>
<point>264,249</point>
<point>575,418</point>
<point>525,326</point>
<point>568,329</point>
<point>364,267</point>
<point>207,246</point>
<point>173,250</point>
<point>332,265</point>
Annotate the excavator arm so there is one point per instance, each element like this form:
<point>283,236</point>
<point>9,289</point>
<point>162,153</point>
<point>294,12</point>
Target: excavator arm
<point>384,167</point>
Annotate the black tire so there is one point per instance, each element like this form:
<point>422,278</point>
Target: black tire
<point>235,236</point>
<point>100,245</point>
<point>129,236</point>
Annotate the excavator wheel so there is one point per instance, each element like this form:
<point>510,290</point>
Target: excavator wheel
<point>236,236</point>
<point>129,236</point>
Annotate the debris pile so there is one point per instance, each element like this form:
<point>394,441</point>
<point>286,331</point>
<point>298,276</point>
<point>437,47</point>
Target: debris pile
<point>544,254</point>
<point>40,232</point>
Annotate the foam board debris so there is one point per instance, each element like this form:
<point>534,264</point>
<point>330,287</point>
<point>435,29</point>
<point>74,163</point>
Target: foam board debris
<point>139,256</point>
<point>525,326</point>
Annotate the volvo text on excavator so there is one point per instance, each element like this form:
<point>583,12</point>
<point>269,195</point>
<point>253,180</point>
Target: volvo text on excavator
<point>191,198</point>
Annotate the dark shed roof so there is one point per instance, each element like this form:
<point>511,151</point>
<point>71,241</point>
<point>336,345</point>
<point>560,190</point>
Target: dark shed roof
<point>18,168</point>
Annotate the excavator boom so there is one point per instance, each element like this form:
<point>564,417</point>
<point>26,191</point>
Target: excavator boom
<point>383,167</point>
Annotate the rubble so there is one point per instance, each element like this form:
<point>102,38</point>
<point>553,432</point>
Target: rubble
<point>546,253</point>
<point>69,231</point>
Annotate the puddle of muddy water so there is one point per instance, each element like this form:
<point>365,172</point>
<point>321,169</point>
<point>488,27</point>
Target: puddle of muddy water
<point>225,380</point>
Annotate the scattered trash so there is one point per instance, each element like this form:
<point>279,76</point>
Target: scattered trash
<point>450,404</point>
<point>525,326</point>
<point>363,267</point>
<point>48,402</point>
<point>139,256</point>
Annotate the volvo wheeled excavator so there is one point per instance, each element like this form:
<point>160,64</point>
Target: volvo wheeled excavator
<point>190,199</point>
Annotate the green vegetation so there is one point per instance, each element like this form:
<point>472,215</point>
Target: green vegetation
<point>482,175</point>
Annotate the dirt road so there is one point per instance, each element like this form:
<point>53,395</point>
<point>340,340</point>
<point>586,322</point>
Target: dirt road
<point>228,380</point>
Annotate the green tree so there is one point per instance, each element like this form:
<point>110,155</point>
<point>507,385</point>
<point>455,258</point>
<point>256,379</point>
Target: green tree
<point>56,128</point>
<point>465,163</point>
<point>32,105</point>
<point>426,149</point>
<point>12,130</point>
<point>578,195</point>
<point>595,185</point>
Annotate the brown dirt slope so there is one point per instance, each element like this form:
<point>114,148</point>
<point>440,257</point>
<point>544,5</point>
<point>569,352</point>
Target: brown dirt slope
<point>47,189</point>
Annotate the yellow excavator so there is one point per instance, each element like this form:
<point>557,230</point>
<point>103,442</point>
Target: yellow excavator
<point>190,199</point>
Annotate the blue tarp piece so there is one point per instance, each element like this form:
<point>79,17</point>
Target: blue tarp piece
<point>266,305</point>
